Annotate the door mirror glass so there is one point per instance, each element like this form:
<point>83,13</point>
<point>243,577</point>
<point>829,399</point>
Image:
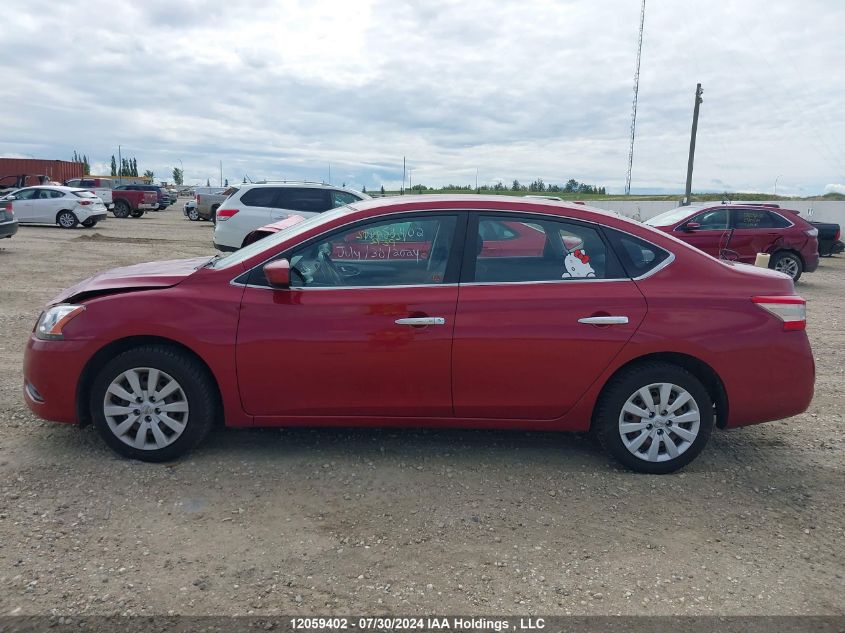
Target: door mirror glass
<point>278,273</point>
<point>692,226</point>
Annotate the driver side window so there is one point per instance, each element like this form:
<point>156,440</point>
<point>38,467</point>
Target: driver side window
<point>410,251</point>
<point>712,220</point>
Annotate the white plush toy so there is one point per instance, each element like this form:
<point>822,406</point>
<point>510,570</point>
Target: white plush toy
<point>577,266</point>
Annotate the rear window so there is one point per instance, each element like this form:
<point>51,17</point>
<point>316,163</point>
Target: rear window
<point>637,256</point>
<point>259,197</point>
<point>84,194</point>
<point>304,199</point>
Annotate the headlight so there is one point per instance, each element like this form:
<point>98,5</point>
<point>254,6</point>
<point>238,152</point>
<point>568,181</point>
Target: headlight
<point>52,320</point>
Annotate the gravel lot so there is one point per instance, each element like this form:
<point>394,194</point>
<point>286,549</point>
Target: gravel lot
<point>369,521</point>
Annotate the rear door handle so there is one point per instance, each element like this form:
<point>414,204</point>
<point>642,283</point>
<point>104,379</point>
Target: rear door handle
<point>604,320</point>
<point>422,321</point>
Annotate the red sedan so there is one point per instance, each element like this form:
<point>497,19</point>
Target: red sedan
<point>608,326</point>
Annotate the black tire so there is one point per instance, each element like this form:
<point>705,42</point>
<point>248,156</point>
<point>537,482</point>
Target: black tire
<point>213,217</point>
<point>789,263</point>
<point>609,415</point>
<point>67,219</point>
<point>196,385</point>
<point>137,213</point>
<point>90,223</point>
<point>193,216</point>
<point>122,209</point>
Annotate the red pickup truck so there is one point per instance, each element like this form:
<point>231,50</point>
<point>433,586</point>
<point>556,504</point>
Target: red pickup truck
<point>131,202</point>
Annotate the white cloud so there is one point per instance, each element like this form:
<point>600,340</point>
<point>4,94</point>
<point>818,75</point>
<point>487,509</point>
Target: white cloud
<point>515,90</point>
<point>834,188</point>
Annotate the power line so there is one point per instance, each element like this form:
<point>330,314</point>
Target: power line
<point>634,106</point>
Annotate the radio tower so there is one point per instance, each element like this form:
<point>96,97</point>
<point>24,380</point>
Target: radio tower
<point>634,106</point>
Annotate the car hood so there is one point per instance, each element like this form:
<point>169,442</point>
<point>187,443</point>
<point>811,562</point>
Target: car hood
<point>161,274</point>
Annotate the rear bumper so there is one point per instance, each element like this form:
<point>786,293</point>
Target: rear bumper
<point>772,385</point>
<point>224,248</point>
<point>148,206</point>
<point>8,229</point>
<point>811,262</point>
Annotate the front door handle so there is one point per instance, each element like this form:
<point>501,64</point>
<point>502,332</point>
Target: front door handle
<point>604,320</point>
<point>421,321</point>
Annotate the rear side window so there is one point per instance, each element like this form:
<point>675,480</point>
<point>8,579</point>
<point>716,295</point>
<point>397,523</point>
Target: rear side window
<point>259,197</point>
<point>637,256</point>
<point>757,219</point>
<point>60,194</point>
<point>526,248</point>
<point>83,194</point>
<point>304,199</point>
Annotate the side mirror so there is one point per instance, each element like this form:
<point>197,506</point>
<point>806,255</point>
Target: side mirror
<point>278,273</point>
<point>691,226</point>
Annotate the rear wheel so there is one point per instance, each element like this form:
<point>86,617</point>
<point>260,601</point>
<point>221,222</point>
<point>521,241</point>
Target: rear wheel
<point>214,214</point>
<point>122,209</point>
<point>153,403</point>
<point>193,216</point>
<point>66,219</point>
<point>89,223</point>
<point>654,417</point>
<point>788,263</point>
<point>137,213</point>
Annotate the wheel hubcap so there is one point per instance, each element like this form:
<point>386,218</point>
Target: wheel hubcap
<point>659,422</point>
<point>787,265</point>
<point>146,408</point>
<point>66,220</point>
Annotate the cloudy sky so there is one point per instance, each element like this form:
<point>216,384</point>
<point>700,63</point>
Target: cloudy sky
<point>527,89</point>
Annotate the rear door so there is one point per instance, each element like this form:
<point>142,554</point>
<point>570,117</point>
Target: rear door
<point>531,329</point>
<point>755,231</point>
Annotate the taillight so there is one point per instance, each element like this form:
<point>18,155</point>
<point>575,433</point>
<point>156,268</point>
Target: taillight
<point>813,232</point>
<point>225,214</point>
<point>85,202</point>
<point>837,238</point>
<point>791,310</point>
<point>198,198</point>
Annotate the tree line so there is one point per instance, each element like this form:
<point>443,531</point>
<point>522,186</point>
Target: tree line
<point>538,186</point>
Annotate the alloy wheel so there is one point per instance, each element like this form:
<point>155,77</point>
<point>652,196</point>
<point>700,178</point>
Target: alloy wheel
<point>67,220</point>
<point>788,265</point>
<point>659,422</point>
<point>146,408</point>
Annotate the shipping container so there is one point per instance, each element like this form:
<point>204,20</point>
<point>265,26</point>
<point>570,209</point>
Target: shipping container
<point>58,170</point>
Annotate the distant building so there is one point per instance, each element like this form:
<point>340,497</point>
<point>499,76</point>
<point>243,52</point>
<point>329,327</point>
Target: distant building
<point>12,169</point>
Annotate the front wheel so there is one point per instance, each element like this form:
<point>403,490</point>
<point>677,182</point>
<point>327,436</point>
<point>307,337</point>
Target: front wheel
<point>654,417</point>
<point>67,219</point>
<point>153,403</point>
<point>788,263</point>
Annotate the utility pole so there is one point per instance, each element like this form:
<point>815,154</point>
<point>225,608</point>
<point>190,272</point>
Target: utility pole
<point>402,188</point>
<point>221,173</point>
<point>119,165</point>
<point>634,105</point>
<point>698,100</point>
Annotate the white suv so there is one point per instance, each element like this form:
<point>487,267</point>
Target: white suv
<point>255,205</point>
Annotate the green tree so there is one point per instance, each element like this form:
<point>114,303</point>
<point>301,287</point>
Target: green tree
<point>382,190</point>
<point>364,189</point>
<point>134,167</point>
<point>207,182</point>
<point>86,166</point>
<point>113,166</point>
<point>149,174</point>
<point>516,186</point>
<point>178,176</point>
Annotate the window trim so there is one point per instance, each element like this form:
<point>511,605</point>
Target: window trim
<point>461,232</point>
<point>731,226</point>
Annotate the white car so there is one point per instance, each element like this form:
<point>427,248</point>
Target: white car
<point>65,206</point>
<point>255,205</point>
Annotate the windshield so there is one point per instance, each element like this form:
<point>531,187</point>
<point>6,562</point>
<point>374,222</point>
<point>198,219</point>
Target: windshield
<point>670,217</point>
<point>271,241</point>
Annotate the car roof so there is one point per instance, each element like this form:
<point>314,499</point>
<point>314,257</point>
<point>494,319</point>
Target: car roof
<point>56,187</point>
<point>302,183</point>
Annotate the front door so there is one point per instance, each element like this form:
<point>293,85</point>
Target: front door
<point>536,327</point>
<point>364,330</point>
<point>711,236</point>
